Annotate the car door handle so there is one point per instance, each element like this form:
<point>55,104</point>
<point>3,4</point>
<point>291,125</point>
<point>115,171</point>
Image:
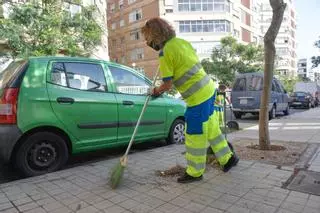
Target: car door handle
<point>65,100</point>
<point>127,102</point>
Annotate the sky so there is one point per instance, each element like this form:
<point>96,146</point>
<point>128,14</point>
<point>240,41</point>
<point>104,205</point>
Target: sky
<point>308,27</point>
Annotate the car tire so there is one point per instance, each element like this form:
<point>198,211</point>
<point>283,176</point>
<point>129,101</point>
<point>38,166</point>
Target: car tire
<point>287,111</point>
<point>176,134</point>
<point>309,105</point>
<point>237,115</point>
<point>272,113</point>
<point>41,153</point>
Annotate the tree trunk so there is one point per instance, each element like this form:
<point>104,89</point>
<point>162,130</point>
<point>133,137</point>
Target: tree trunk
<point>278,8</point>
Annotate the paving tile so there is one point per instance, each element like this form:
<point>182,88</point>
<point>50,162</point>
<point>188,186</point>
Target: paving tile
<point>114,209</point>
<point>36,210</point>
<point>263,208</point>
<point>237,209</point>
<point>229,198</point>
<point>249,204</point>
<point>128,204</point>
<point>28,206</point>
<point>118,199</point>
<point>22,201</point>
<point>168,208</point>
<point>52,206</point>
<point>4,206</point>
<point>61,210</point>
<point>194,207</point>
<point>12,210</point>
<point>220,205</point>
<point>78,205</point>
<point>89,209</point>
<point>104,204</point>
<point>211,210</point>
<point>141,209</point>
<point>313,204</point>
<point>292,207</point>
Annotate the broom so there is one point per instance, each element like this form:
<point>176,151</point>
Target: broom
<point>117,171</point>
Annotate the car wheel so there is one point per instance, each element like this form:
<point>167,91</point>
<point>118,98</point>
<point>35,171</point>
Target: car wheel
<point>309,105</point>
<point>41,153</point>
<point>176,134</point>
<point>287,111</point>
<point>272,113</point>
<point>237,115</point>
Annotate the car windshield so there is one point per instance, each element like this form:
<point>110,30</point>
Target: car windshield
<point>299,94</point>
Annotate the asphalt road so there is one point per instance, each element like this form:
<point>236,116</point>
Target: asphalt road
<point>8,173</point>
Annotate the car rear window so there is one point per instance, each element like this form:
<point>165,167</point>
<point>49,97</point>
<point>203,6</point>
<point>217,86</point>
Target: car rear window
<point>8,74</point>
<point>255,83</point>
<point>240,84</point>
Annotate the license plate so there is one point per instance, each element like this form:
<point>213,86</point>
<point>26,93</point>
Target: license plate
<point>243,101</point>
<point>297,103</point>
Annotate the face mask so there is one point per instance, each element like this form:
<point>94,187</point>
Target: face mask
<point>154,46</point>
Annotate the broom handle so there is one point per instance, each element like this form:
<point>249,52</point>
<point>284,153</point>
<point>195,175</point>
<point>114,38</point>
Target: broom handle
<point>141,114</point>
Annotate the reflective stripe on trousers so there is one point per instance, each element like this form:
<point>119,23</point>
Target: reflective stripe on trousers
<point>196,146</point>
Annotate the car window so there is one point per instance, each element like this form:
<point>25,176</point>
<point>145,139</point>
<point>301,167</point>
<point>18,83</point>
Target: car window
<point>8,73</point>
<point>127,82</point>
<point>240,84</point>
<point>299,94</point>
<point>255,83</point>
<point>82,76</point>
<point>278,88</point>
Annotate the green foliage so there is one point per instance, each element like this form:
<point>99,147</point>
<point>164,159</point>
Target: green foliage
<point>231,58</point>
<point>43,28</point>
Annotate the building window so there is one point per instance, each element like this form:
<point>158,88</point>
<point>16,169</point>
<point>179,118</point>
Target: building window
<point>137,54</point>
<point>246,3</point>
<point>112,7</point>
<point>236,33</point>
<point>135,15</point>
<point>204,26</point>
<point>135,35</point>
<point>246,18</point>
<point>113,26</point>
<point>121,23</point>
<point>246,35</point>
<point>204,5</point>
<point>120,4</point>
<point>131,1</point>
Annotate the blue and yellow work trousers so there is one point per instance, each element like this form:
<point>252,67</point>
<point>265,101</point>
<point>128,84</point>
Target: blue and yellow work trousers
<point>202,130</point>
<point>220,113</point>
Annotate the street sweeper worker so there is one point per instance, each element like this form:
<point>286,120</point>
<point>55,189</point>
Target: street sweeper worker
<point>180,66</point>
<point>219,104</point>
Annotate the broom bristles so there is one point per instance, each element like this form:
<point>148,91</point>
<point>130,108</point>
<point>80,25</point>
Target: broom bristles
<point>116,175</point>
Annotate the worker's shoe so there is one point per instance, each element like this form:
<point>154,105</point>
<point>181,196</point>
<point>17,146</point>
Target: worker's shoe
<point>188,179</point>
<point>233,161</point>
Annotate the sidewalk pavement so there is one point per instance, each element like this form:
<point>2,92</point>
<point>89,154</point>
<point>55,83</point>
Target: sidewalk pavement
<point>299,127</point>
<point>250,187</point>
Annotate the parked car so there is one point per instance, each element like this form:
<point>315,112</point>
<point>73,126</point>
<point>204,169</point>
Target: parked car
<point>310,87</point>
<point>247,92</point>
<point>302,99</point>
<point>53,107</point>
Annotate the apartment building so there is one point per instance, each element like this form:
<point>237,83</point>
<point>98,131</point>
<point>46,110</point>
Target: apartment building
<point>126,42</point>
<point>202,22</point>
<point>286,45</point>
<point>205,22</point>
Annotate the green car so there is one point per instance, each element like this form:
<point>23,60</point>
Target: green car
<point>53,107</point>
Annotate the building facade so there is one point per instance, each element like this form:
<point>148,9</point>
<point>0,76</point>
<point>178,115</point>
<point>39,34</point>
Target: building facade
<point>202,22</point>
<point>302,68</point>
<point>286,45</point>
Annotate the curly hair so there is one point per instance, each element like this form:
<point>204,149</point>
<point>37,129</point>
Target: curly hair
<point>159,30</point>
